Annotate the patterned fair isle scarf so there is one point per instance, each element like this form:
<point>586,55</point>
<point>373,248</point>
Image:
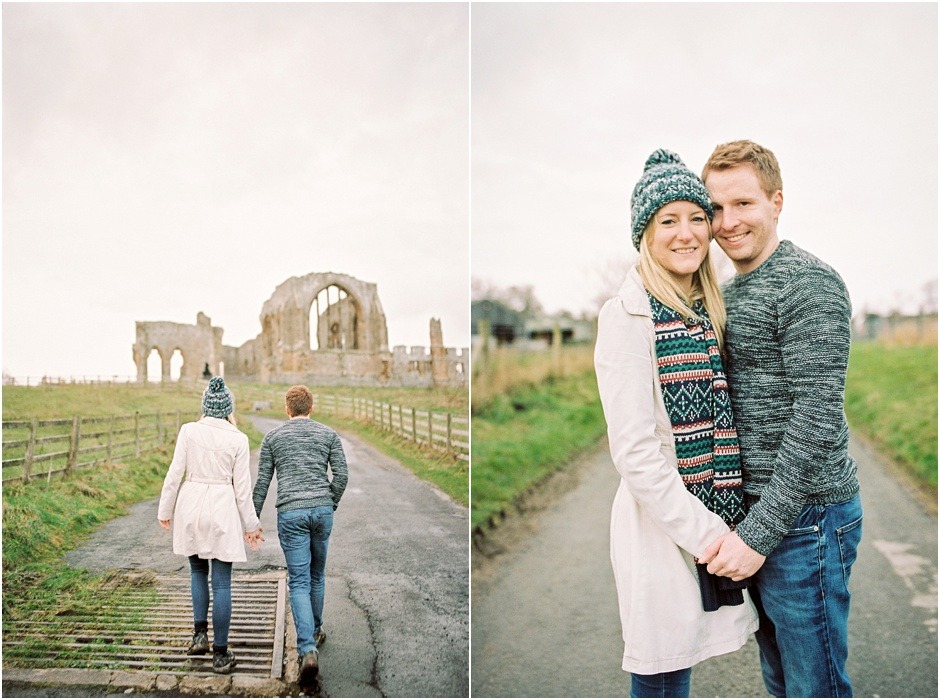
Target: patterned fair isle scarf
<point>695,392</point>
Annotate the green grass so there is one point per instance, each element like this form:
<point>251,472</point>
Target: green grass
<point>891,397</point>
<point>448,474</point>
<point>38,530</point>
<point>519,438</point>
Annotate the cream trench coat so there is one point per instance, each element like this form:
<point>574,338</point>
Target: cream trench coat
<point>212,509</point>
<point>656,525</point>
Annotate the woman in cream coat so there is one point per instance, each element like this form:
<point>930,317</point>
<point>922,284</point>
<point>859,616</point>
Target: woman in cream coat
<point>660,520</point>
<point>212,514</point>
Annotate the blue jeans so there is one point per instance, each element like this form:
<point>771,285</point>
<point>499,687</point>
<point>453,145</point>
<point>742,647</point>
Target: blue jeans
<point>305,535</point>
<point>802,597</point>
<point>672,684</point>
<point>221,595</point>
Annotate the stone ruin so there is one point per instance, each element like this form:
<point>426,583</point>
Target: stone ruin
<point>322,329</point>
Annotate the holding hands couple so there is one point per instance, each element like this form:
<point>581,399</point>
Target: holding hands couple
<point>254,539</point>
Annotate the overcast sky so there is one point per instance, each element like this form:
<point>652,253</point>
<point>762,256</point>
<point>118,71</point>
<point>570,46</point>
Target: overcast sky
<point>568,101</point>
<point>165,159</point>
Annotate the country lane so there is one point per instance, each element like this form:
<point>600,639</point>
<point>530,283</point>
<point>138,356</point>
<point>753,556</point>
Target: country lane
<point>545,619</point>
<point>397,600</point>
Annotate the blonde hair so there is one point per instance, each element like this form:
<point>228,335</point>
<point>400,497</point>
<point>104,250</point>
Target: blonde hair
<point>728,155</point>
<point>662,284</point>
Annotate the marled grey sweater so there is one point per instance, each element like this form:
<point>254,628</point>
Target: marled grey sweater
<point>300,451</point>
<point>789,328</point>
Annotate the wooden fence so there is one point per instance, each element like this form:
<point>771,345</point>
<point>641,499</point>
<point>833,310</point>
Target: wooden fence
<point>39,448</point>
<point>440,431</point>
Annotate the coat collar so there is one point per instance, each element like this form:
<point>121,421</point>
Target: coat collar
<point>632,295</point>
<point>217,423</point>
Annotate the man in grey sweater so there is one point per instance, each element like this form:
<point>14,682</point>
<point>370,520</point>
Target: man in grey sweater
<point>300,451</point>
<point>787,344</point>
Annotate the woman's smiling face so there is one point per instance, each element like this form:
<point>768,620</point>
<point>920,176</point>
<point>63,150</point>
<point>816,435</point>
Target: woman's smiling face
<point>679,239</point>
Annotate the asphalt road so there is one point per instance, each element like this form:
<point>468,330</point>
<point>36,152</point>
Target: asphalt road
<point>397,600</point>
<point>545,620</point>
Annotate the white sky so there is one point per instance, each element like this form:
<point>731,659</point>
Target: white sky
<point>162,159</point>
<point>568,101</point>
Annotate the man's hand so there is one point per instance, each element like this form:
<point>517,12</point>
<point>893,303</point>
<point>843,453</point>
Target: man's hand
<point>729,556</point>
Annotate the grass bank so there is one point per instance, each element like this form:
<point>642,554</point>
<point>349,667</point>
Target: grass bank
<point>891,397</point>
<point>521,436</point>
<point>38,528</point>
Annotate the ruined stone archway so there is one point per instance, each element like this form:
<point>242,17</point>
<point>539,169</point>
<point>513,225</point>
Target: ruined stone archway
<point>198,345</point>
<point>335,319</point>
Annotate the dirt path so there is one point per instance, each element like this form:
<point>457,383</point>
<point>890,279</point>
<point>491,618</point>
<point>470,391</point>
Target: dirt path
<point>397,603</point>
<point>545,620</point>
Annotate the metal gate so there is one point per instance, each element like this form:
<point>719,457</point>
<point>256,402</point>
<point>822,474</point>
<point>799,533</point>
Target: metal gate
<point>115,638</point>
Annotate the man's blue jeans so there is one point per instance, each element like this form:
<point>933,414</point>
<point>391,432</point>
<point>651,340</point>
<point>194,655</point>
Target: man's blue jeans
<point>305,535</point>
<point>802,596</point>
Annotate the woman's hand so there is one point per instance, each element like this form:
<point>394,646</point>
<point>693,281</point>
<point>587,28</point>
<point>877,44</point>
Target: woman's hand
<point>165,524</point>
<point>254,539</point>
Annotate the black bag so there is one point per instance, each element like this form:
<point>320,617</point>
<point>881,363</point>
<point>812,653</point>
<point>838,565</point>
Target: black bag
<point>719,590</point>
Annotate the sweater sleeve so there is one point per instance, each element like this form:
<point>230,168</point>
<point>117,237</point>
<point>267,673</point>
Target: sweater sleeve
<point>340,470</point>
<point>241,482</point>
<point>627,380</point>
<point>174,477</point>
<point>265,473</point>
<point>814,332</point>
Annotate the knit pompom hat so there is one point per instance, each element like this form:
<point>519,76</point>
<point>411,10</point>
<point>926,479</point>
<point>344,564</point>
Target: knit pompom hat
<point>217,400</point>
<point>665,179</point>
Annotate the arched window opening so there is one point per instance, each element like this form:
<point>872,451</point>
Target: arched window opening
<point>176,364</point>
<point>221,369</point>
<point>154,366</point>
<point>334,320</point>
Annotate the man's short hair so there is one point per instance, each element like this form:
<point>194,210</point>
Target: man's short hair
<point>728,155</point>
<point>299,400</point>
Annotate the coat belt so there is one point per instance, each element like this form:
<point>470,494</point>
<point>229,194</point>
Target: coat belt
<point>197,480</point>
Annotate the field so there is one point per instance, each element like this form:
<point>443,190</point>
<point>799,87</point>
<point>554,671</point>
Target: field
<point>527,424</point>
<point>891,397</point>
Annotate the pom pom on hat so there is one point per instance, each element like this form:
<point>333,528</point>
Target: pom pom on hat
<point>665,179</point>
<point>217,400</point>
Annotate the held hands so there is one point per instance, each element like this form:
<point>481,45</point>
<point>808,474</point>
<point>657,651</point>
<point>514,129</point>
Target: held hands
<point>729,556</point>
<point>165,524</point>
<point>254,539</point>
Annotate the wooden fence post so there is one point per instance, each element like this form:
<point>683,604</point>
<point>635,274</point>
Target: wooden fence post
<point>401,421</point>
<point>137,433</point>
<point>110,436</point>
<point>430,428</point>
<point>450,447</point>
<point>414,427</point>
<point>30,449</point>
<point>73,444</point>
